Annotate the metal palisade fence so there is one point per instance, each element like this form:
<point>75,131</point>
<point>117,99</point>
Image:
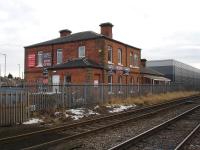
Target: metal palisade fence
<point>14,106</point>
<point>16,103</point>
<point>71,95</point>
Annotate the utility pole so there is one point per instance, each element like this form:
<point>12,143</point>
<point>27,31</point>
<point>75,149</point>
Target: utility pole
<point>5,63</point>
<point>19,70</point>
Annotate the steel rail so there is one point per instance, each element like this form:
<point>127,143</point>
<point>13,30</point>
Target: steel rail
<point>188,138</point>
<point>179,100</point>
<point>149,132</point>
<point>98,129</point>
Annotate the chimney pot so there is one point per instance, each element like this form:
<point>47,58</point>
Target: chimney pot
<point>106,29</point>
<point>143,62</point>
<point>65,32</point>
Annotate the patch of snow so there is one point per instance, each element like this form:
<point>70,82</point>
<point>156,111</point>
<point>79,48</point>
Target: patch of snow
<point>33,121</point>
<point>57,113</point>
<point>66,115</point>
<point>79,113</point>
<point>90,112</point>
<point>76,114</point>
<point>96,107</point>
<point>120,108</point>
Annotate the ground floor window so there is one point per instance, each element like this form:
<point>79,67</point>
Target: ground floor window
<point>110,83</point>
<point>68,79</point>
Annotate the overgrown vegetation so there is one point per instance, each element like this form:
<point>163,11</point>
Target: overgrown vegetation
<point>150,99</point>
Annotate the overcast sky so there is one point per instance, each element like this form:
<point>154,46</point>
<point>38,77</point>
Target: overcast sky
<point>163,29</point>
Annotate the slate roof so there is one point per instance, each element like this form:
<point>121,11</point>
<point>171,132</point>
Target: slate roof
<point>86,35</point>
<point>146,70</point>
<point>78,63</point>
<point>70,38</point>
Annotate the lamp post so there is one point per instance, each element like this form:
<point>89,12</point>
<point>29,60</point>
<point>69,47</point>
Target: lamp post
<point>19,70</point>
<point>5,63</point>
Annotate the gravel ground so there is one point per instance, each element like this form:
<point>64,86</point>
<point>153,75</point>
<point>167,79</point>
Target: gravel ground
<point>108,138</point>
<point>168,138</point>
<point>195,143</point>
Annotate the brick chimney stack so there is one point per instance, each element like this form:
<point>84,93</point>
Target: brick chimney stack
<point>143,63</point>
<point>106,29</point>
<point>65,32</point>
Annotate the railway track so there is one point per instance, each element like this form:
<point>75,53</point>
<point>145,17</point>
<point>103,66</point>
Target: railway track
<point>47,137</point>
<point>172,134</point>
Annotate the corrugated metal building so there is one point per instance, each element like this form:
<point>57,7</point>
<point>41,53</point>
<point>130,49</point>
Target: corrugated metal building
<point>177,71</point>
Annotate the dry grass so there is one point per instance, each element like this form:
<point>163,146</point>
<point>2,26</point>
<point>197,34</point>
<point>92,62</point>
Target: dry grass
<point>152,99</point>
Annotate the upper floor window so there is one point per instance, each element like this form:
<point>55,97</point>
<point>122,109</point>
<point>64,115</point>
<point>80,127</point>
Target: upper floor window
<point>81,51</point>
<point>59,56</point>
<point>136,58</point>
<point>110,54</point>
<point>131,58</point>
<point>40,59</point>
<point>119,56</point>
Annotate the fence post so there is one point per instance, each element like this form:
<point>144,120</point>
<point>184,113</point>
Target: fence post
<point>62,94</point>
<point>102,93</point>
<point>85,93</point>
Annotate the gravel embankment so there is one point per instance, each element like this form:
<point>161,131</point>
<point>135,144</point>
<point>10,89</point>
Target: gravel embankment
<point>195,143</point>
<point>108,138</point>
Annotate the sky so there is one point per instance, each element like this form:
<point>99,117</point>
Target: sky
<point>163,29</point>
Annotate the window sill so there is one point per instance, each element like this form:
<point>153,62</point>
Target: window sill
<point>110,63</point>
<point>39,66</point>
<point>134,67</point>
<point>120,64</point>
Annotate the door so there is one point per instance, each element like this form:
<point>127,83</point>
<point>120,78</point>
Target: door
<point>55,82</point>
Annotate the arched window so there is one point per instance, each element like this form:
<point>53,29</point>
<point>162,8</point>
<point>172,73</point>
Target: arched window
<point>120,56</point>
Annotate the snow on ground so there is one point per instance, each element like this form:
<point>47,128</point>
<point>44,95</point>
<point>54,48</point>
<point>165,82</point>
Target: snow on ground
<point>119,108</point>
<point>33,121</point>
<point>96,107</point>
<point>79,113</point>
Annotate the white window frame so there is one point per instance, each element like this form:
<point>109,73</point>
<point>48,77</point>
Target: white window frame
<point>111,54</point>
<point>119,56</point>
<point>61,52</point>
<point>79,51</point>
<point>39,58</point>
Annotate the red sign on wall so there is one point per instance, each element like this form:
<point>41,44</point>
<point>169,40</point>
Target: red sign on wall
<point>31,60</point>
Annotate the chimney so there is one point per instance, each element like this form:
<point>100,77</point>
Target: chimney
<point>143,63</point>
<point>65,32</point>
<point>106,29</point>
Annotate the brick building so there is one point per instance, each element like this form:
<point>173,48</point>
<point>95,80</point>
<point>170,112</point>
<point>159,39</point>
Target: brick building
<point>84,57</point>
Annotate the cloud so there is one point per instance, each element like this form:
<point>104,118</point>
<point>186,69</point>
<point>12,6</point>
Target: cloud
<point>182,46</point>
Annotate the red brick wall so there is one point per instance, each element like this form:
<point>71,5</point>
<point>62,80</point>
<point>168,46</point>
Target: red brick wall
<point>78,75</point>
<point>96,50</point>
<point>134,71</point>
<point>70,51</point>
